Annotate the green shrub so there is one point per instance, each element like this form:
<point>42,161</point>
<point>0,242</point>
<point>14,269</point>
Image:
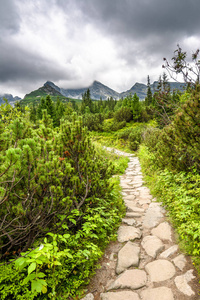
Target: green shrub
<point>123,114</point>
<point>180,193</point>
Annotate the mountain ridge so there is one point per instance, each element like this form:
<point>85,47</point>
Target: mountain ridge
<point>97,91</point>
<point>101,91</point>
<point>10,98</point>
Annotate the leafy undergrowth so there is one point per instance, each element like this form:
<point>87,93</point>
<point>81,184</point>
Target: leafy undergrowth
<point>119,162</point>
<point>127,138</point>
<point>63,263</point>
<point>180,193</point>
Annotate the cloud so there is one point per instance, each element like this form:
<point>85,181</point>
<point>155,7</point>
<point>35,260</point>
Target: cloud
<point>73,42</point>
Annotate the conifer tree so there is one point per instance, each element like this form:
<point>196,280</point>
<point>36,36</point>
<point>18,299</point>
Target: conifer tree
<point>48,178</point>
<point>148,99</point>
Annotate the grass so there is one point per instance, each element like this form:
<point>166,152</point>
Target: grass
<point>180,193</point>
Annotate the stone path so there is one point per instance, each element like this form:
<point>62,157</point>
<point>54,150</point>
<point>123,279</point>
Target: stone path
<point>149,264</point>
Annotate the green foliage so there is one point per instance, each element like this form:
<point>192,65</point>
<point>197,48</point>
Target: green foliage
<point>54,181</point>
<point>180,193</point>
<point>177,145</point>
<point>123,114</point>
<point>93,121</point>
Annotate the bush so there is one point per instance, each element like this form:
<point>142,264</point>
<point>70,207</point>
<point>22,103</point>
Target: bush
<point>133,136</point>
<point>177,145</point>
<point>56,190</point>
<point>123,114</point>
<point>180,193</point>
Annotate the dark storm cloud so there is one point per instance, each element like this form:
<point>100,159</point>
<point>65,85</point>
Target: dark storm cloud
<point>140,18</point>
<point>137,35</point>
<point>9,17</point>
<point>18,64</point>
<point>142,28</point>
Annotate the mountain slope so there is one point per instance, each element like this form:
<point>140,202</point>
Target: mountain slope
<point>10,98</point>
<point>97,91</point>
<point>139,88</point>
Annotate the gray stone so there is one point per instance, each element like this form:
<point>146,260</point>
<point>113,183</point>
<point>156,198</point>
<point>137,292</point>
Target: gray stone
<point>182,283</point>
<point>137,185</point>
<point>129,221</point>
<point>153,215</point>
<point>125,295</point>
<point>125,186</point>
<point>180,261</point>
<point>160,270</point>
<point>130,279</point>
<point>127,233</point>
<point>128,256</point>
<point>163,231</point>
<point>129,197</point>
<point>169,252</point>
<point>133,215</point>
<point>132,208</point>
<point>88,297</point>
<point>160,293</point>
<point>152,245</point>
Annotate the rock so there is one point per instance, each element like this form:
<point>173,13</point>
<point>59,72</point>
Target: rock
<point>130,279</point>
<point>132,208</point>
<point>160,270</point>
<point>88,297</point>
<point>128,256</point>
<point>153,215</point>
<point>125,295</point>
<point>152,245</point>
<point>160,293</point>
<point>129,221</point>
<point>182,283</point>
<point>127,233</point>
<point>133,215</point>
<point>163,231</point>
<point>180,262</point>
<point>169,252</point>
<point>125,185</point>
<point>129,197</point>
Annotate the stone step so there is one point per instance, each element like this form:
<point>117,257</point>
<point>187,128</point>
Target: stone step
<point>128,233</point>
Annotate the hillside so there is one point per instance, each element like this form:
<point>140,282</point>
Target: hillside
<point>10,98</point>
<point>97,91</point>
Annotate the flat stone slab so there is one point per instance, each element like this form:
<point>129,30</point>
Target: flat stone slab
<point>169,252</point>
<point>127,233</point>
<point>182,283</point>
<point>125,186</point>
<point>132,208</point>
<point>128,256</point>
<point>160,270</point>
<point>133,215</point>
<point>152,245</point>
<point>88,297</point>
<point>129,221</point>
<point>125,295</point>
<point>129,197</point>
<point>180,261</point>
<point>161,293</point>
<point>163,231</point>
<point>130,279</point>
<point>153,215</point>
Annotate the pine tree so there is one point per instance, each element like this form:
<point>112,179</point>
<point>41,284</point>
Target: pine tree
<point>148,99</point>
<point>50,106</point>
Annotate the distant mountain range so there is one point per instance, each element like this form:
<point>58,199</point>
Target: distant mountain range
<point>10,98</point>
<point>99,90</point>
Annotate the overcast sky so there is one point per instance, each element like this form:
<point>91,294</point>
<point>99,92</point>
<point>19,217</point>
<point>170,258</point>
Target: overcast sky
<point>74,42</point>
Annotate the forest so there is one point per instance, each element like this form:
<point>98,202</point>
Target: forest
<point>61,204</point>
